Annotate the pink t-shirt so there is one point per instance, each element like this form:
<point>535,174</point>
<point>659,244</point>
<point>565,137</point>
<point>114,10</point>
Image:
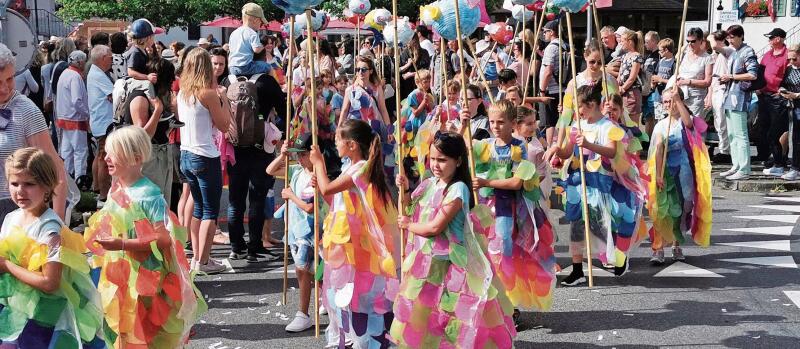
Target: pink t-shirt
<point>774,69</point>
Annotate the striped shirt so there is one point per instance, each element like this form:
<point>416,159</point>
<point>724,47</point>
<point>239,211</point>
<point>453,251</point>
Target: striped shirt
<point>26,120</point>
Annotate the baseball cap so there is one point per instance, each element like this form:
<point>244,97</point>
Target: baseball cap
<point>552,25</point>
<point>253,10</point>
<point>776,32</point>
<point>77,56</point>
<point>302,143</point>
<point>141,28</point>
<point>621,30</point>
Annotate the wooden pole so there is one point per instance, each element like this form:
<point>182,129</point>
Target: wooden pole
<point>443,85</point>
<point>468,130</point>
<point>586,230</point>
<point>314,131</point>
<point>286,164</point>
<point>358,36</point>
<point>678,61</point>
<point>400,126</point>
<point>602,56</point>
<point>532,66</point>
<point>481,76</point>
<point>524,35</point>
<point>560,68</point>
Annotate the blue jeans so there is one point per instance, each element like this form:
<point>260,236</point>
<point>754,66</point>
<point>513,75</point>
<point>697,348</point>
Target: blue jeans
<point>204,176</point>
<point>248,183</point>
<point>252,68</point>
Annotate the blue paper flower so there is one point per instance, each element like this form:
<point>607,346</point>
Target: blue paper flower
<point>573,6</point>
<point>294,7</point>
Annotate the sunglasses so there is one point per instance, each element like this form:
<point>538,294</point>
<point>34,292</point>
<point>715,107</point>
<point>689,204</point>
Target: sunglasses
<point>691,41</point>
<point>593,62</point>
<point>362,70</point>
<point>792,59</point>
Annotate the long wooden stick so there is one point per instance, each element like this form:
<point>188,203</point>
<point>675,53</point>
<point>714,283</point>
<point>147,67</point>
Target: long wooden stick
<point>560,67</point>
<point>532,66</point>
<point>400,126</point>
<point>481,76</point>
<point>314,131</point>
<point>443,85</point>
<point>286,164</point>
<point>584,199</point>
<point>468,129</point>
<point>678,61</point>
<point>603,78</point>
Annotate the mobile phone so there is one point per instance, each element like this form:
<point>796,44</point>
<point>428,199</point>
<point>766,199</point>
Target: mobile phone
<point>783,90</point>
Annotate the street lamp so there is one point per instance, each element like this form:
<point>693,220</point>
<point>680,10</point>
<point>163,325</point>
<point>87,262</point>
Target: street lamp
<point>719,7</point>
<point>719,14</point>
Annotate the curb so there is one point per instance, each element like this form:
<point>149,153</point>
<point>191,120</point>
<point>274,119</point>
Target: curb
<point>756,183</point>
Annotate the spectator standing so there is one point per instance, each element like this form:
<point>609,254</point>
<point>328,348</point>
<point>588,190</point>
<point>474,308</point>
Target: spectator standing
<point>629,80</point>
<point>772,111</point>
<point>651,58</point>
<point>99,38</point>
<point>455,59</point>
<point>742,67</point>
<point>119,44</point>
<point>101,115</point>
<point>791,91</point>
<point>345,59</point>
<point>424,35</point>
<point>25,83</point>
<point>203,109</point>
<point>26,127</point>
<point>439,79</point>
<point>72,117</point>
<point>696,70</point>
<point>720,57</point>
<point>548,78</point>
<point>412,59</point>
<point>612,50</point>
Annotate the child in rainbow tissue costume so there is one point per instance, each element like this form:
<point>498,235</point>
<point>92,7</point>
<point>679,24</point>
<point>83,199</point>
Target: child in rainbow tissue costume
<point>47,299</point>
<point>147,292</point>
<point>449,296</point>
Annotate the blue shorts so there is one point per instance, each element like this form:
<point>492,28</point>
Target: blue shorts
<point>303,256</point>
<point>252,68</point>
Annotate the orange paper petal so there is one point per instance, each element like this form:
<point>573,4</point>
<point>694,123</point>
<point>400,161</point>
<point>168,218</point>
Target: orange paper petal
<point>147,282</point>
<point>172,287</point>
<point>118,272</point>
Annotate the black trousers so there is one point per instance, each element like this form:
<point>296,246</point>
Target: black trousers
<point>773,121</point>
<point>248,181</point>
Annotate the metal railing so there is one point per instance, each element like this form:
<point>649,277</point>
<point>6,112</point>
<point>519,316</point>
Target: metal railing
<point>792,38</point>
<point>46,24</point>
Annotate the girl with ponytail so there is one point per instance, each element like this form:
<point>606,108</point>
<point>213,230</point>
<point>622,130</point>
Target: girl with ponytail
<point>613,187</point>
<point>360,239</point>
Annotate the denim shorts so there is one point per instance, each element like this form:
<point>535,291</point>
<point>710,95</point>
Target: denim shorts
<point>252,68</point>
<point>204,176</point>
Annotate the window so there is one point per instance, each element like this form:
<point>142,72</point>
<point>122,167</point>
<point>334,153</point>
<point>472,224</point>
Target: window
<point>794,10</point>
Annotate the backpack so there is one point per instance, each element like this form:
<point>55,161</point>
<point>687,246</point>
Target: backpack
<point>757,84</point>
<point>566,65</point>
<point>247,129</point>
<point>119,96</point>
<point>645,79</point>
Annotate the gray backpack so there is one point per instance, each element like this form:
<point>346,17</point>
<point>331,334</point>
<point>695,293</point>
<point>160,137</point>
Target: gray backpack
<point>248,125</point>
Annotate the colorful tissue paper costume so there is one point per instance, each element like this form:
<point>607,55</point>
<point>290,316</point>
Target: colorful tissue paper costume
<point>684,205</point>
<point>520,243</point>
<point>611,87</point>
<point>361,259</point>
<point>364,107</point>
<point>614,190</point>
<point>411,124</point>
<point>449,297</point>
<point>70,317</point>
<point>148,297</point>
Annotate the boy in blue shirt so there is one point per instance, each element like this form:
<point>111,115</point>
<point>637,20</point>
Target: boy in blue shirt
<point>245,42</point>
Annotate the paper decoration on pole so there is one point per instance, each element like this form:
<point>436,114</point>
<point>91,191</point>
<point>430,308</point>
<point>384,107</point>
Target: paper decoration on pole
<point>319,21</point>
<point>298,29</point>
<point>523,2</point>
<point>404,32</point>
<point>551,12</point>
<point>294,7</point>
<point>537,6</point>
<point>573,6</point>
<point>378,18</point>
<point>521,14</point>
<point>359,7</point>
<point>442,16</point>
<point>500,32</point>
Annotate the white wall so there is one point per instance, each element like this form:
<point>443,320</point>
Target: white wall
<point>178,34</point>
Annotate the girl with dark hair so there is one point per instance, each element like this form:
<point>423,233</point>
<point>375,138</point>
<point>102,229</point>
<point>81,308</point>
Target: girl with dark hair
<point>614,189</point>
<point>360,240</point>
<point>684,186</point>
<point>219,61</point>
<point>522,234</point>
<point>441,235</point>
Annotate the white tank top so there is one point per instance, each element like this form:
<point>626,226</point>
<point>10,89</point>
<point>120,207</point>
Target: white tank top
<point>196,135</point>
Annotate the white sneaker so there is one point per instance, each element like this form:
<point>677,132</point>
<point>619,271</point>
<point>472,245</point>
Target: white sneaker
<point>300,323</point>
<point>728,172</point>
<point>774,171</point>
<point>211,267</point>
<point>792,175</point>
<point>658,257</point>
<point>322,310</point>
<point>193,265</point>
<point>738,176</point>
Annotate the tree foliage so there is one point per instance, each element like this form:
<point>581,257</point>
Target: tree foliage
<point>181,13</point>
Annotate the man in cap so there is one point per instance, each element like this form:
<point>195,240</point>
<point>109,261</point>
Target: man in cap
<point>548,78</point>
<point>72,117</point>
<point>245,42</point>
<point>773,118</point>
<point>203,43</point>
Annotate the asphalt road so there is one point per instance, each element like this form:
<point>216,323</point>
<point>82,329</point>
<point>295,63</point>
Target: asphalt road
<point>742,292</point>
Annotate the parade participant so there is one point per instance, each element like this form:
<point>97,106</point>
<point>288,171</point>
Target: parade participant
<point>360,243</point>
<point>340,83</point>
<point>300,196</point>
<point>47,298</point>
<point>414,112</point>
<point>522,234</point>
<point>443,253</point>
<point>525,129</point>
<point>325,128</point>
<point>613,217</point>
<point>680,190</point>
<point>148,295</point>
<point>447,110</point>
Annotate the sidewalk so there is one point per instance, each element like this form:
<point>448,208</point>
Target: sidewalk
<point>758,182</point>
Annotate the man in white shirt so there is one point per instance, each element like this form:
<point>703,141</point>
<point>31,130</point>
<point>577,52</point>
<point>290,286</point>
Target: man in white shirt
<point>548,78</point>
<point>72,116</point>
<point>101,113</point>
<point>423,33</point>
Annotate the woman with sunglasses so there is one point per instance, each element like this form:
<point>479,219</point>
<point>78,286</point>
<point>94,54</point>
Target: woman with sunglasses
<point>592,76</point>
<point>790,89</point>
<point>697,69</point>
